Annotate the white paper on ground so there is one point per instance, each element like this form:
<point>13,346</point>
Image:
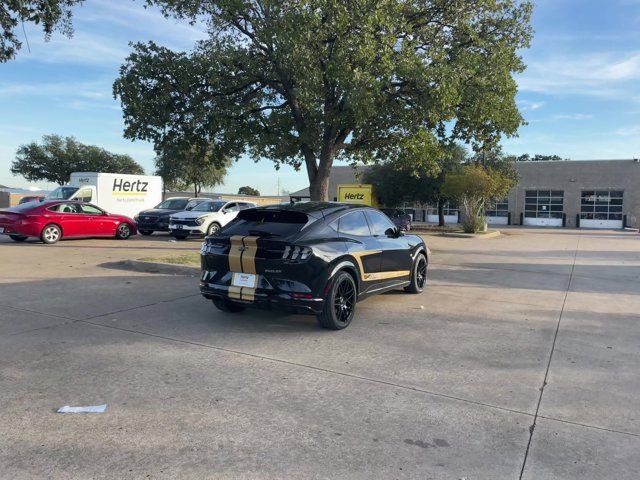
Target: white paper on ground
<point>87,409</point>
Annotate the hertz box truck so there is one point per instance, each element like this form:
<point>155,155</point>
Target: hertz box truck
<point>116,193</point>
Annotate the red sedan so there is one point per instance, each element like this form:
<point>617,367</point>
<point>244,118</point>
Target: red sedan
<point>52,220</point>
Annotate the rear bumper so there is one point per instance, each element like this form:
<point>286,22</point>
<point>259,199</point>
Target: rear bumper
<point>265,299</point>
<point>28,230</point>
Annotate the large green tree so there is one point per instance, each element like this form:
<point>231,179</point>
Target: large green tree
<point>50,14</point>
<point>57,157</point>
<point>396,183</point>
<point>194,168</point>
<point>306,82</point>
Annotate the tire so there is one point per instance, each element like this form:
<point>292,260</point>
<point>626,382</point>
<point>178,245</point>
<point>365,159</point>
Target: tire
<point>51,234</point>
<point>213,229</point>
<point>146,233</point>
<point>227,306</point>
<point>18,238</point>
<point>123,231</point>
<point>418,275</point>
<point>340,303</point>
<point>179,236</point>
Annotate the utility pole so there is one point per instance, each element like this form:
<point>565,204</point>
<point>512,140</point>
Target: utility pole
<point>278,186</point>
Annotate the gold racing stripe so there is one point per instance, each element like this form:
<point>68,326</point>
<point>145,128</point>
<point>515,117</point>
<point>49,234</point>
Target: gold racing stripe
<point>235,292</point>
<point>242,259</point>
<point>369,277</point>
<point>235,254</point>
<point>249,254</point>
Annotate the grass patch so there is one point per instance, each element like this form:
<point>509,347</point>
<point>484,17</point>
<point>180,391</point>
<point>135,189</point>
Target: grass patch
<point>190,259</point>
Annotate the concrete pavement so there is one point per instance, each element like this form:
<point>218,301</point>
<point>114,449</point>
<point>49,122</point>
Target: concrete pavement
<point>447,384</point>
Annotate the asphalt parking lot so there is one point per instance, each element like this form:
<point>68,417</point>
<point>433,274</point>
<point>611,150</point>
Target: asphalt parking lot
<point>520,360</point>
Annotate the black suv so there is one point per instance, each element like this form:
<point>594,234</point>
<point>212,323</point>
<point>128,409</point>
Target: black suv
<point>400,218</point>
<point>157,219</point>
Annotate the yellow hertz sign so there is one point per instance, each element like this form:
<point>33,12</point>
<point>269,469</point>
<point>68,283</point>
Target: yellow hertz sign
<point>355,194</point>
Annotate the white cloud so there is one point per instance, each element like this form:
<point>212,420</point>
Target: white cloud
<point>526,105</point>
<point>573,116</point>
<point>631,131</point>
<point>599,74</point>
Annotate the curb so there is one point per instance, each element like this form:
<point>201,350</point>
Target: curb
<point>479,236</point>
<point>153,267</point>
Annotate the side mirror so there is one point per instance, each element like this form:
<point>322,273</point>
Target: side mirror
<point>393,232</point>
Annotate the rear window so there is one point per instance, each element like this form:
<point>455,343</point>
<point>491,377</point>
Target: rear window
<point>267,223</point>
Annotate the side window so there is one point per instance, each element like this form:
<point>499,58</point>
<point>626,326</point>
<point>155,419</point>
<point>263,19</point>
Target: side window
<point>90,210</point>
<point>379,222</point>
<point>64,208</point>
<point>84,195</point>
<point>232,207</point>
<point>354,223</point>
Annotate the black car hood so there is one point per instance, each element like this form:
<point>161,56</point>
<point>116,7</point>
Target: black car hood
<point>159,211</point>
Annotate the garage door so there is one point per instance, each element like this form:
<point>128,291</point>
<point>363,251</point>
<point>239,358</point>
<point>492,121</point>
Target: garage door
<point>498,213</point>
<point>543,208</point>
<point>450,214</point>
<point>601,209</point>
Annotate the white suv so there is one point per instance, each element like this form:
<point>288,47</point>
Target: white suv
<point>206,218</point>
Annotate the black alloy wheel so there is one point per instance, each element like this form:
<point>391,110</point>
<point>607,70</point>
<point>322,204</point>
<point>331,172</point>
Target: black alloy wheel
<point>418,275</point>
<point>340,304</point>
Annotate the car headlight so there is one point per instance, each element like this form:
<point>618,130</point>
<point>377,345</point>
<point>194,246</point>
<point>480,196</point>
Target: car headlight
<point>200,220</point>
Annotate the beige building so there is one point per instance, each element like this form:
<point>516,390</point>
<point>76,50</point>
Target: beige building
<point>587,194</point>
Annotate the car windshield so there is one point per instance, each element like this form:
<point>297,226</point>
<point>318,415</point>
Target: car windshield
<point>62,193</point>
<point>209,207</point>
<point>192,204</point>
<point>174,204</point>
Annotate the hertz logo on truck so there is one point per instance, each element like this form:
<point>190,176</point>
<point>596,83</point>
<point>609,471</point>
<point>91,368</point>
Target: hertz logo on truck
<point>121,186</point>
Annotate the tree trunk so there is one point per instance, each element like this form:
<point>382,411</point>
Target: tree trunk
<point>319,175</point>
<point>319,188</point>
<point>440,212</point>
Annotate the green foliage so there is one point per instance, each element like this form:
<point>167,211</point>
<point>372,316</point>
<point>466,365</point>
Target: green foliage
<point>56,158</point>
<point>51,14</point>
<point>538,158</point>
<point>247,190</point>
<point>306,82</point>
<point>474,187</point>
<point>182,169</point>
<point>399,182</point>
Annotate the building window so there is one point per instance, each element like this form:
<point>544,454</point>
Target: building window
<point>450,208</point>
<point>499,209</point>
<point>601,205</point>
<point>543,203</point>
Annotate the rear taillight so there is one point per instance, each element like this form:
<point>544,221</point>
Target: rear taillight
<point>296,253</point>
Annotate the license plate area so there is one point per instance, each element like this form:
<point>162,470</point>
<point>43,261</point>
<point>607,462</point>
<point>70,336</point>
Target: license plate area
<point>247,280</point>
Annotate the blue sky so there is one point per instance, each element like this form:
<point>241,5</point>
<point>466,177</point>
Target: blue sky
<point>579,94</point>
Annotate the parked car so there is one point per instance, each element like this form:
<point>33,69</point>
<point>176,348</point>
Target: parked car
<point>399,217</point>
<point>315,258</point>
<point>53,220</point>
<point>31,198</point>
<point>157,218</point>
<point>206,218</point>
